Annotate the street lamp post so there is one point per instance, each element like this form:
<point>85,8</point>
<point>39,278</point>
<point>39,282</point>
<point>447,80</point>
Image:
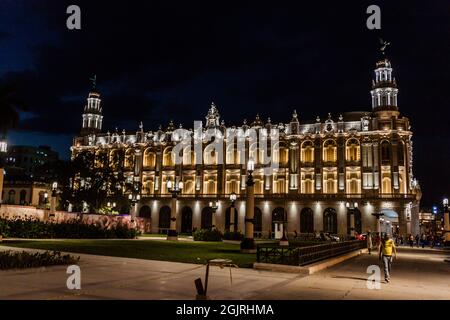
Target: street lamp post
<point>214,205</point>
<point>378,215</point>
<point>174,188</point>
<point>134,198</point>
<point>351,210</point>
<point>3,149</point>
<point>233,198</point>
<point>248,244</point>
<point>53,199</point>
<point>46,211</point>
<point>446,223</point>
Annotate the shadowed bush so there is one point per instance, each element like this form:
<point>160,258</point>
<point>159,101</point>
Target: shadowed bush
<point>233,235</point>
<point>20,260</point>
<point>72,229</point>
<point>207,235</point>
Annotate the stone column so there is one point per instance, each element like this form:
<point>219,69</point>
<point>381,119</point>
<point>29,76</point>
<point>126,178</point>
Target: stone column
<point>232,222</point>
<point>214,220</point>
<point>2,173</point>
<point>352,223</point>
<point>52,205</point>
<point>173,234</point>
<point>248,244</point>
<point>447,227</point>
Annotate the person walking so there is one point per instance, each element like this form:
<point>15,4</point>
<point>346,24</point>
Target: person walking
<point>386,249</point>
<point>424,239</point>
<point>369,241</point>
<point>417,240</point>
<point>411,240</point>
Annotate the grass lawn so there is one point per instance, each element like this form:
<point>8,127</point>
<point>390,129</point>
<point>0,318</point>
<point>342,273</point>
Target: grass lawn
<point>191,252</point>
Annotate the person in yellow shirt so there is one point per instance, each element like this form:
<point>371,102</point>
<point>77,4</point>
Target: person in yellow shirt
<point>386,249</point>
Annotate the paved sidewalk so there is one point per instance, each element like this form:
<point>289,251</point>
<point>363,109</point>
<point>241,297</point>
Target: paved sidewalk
<point>416,275</point>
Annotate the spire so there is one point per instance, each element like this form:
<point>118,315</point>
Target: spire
<point>257,122</point>
<point>92,115</point>
<point>213,117</point>
<point>384,86</point>
<point>294,116</point>
<point>94,82</point>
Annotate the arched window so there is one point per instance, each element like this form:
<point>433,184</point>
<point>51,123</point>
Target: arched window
<point>189,185</point>
<point>115,159</point>
<point>149,158</point>
<point>23,196</point>
<point>357,220</point>
<point>278,215</point>
<point>401,153</point>
<point>41,198</point>
<point>129,159</point>
<point>329,151</point>
<point>12,197</point>
<point>100,159</point>
<point>330,220</point>
<point>148,185</point>
<point>385,153</point>
<point>307,152</point>
<point>386,186</point>
<point>306,220</point>
<point>188,156</point>
<point>284,155</point>
<point>210,155</point>
<point>145,212</point>
<point>168,157</point>
<point>257,227</point>
<point>253,152</point>
<point>206,222</point>
<point>164,218</point>
<point>228,219</point>
<point>186,220</point>
<point>353,150</point>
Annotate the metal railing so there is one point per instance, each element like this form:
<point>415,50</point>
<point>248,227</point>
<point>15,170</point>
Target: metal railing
<point>300,256</point>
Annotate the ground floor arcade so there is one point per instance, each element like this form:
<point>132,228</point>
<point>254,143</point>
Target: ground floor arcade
<point>272,215</point>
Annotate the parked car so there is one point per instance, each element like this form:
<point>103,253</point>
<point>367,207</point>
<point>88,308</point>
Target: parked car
<point>361,237</point>
<point>334,237</point>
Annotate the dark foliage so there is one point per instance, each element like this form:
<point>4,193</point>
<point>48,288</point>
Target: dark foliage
<point>73,229</point>
<point>207,235</point>
<point>233,235</point>
<point>19,260</point>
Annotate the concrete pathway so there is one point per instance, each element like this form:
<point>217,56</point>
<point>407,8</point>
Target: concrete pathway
<point>416,275</point>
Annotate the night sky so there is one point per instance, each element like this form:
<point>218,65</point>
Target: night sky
<point>162,60</point>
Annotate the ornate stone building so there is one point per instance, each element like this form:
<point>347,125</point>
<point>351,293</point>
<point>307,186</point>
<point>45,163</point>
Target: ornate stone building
<point>357,163</point>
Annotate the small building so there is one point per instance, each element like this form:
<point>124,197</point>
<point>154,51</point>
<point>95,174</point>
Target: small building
<point>25,192</point>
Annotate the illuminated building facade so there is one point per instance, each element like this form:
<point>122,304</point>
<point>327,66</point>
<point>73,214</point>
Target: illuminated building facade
<point>357,163</point>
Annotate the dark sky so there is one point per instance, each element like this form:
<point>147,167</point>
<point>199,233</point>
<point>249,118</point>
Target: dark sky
<point>162,60</point>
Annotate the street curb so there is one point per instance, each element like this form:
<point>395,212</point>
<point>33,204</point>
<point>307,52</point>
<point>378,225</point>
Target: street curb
<point>310,269</point>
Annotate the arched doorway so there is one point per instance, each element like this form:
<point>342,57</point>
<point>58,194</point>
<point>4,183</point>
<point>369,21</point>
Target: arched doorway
<point>11,197</point>
<point>357,218</point>
<point>306,220</point>
<point>186,220</point>
<point>145,212</point>
<point>257,226</point>
<point>278,220</point>
<point>207,218</point>
<point>330,220</point>
<point>389,222</point>
<point>23,197</point>
<point>164,219</point>
<point>228,219</point>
